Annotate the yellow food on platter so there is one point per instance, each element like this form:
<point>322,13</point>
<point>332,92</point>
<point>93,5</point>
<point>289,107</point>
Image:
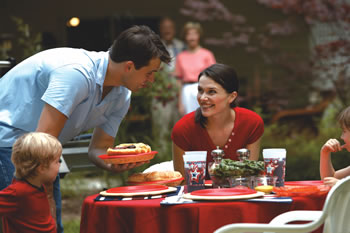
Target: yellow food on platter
<point>129,149</point>
<point>264,188</point>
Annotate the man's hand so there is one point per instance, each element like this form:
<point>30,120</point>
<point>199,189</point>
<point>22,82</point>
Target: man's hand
<point>124,167</point>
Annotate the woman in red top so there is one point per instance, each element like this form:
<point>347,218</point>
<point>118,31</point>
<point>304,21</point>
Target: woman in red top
<point>217,122</point>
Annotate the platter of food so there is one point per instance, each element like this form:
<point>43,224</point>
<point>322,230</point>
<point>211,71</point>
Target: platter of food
<point>223,194</point>
<point>301,190</point>
<point>128,191</point>
<point>168,178</point>
<point>128,153</point>
<point>304,183</point>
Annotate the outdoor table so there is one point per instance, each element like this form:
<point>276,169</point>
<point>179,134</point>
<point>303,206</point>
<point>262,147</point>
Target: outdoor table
<point>149,216</point>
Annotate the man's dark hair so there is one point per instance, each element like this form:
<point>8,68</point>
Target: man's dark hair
<point>225,76</point>
<point>138,44</point>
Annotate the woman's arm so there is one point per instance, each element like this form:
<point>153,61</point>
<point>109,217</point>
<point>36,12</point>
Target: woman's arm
<point>178,159</point>
<point>254,149</point>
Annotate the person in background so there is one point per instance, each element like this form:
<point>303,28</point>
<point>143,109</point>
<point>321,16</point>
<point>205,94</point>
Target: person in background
<point>167,32</point>
<point>217,122</point>
<point>327,172</point>
<point>189,64</point>
<point>66,91</point>
<point>24,205</point>
<point>164,111</point>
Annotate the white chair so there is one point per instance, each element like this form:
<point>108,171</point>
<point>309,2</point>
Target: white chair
<point>335,216</point>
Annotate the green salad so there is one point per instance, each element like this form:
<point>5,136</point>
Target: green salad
<point>231,168</point>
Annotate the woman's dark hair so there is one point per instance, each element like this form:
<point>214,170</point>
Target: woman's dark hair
<point>138,44</point>
<point>225,76</point>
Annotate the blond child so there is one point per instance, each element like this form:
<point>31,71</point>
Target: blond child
<point>327,172</point>
<point>24,205</point>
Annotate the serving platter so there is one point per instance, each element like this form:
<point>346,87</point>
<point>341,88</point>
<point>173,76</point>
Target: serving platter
<point>223,194</point>
<point>128,191</point>
<point>122,159</point>
<point>304,183</point>
<point>301,190</point>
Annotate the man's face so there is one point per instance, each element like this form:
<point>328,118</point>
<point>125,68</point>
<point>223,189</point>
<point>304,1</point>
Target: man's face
<point>167,30</point>
<point>137,79</point>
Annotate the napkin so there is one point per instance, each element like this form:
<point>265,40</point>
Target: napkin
<point>141,197</point>
<point>271,198</point>
<point>175,200</point>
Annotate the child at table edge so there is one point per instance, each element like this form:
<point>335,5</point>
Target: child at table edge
<point>327,172</point>
<point>24,205</point>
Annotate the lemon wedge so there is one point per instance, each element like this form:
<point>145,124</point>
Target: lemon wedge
<point>264,188</point>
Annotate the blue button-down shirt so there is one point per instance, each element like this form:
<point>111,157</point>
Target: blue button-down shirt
<point>70,80</point>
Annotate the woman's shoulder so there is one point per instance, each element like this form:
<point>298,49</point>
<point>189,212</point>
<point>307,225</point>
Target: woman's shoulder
<point>247,114</point>
<point>186,124</point>
<point>187,120</point>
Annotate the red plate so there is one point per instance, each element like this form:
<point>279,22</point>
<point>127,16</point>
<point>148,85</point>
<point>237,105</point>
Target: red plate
<point>126,156</point>
<point>122,159</point>
<point>137,189</point>
<point>223,192</point>
<point>304,182</point>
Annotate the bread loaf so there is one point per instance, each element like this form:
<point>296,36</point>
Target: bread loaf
<point>154,176</point>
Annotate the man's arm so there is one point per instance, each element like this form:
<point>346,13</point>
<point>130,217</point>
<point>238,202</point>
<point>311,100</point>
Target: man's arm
<point>99,144</point>
<point>51,121</point>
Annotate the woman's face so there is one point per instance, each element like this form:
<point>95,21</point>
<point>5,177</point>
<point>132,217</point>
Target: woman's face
<point>192,38</point>
<point>212,97</point>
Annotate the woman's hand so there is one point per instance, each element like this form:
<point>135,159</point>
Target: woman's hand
<point>330,181</point>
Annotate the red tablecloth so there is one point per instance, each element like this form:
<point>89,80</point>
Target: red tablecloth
<point>149,216</point>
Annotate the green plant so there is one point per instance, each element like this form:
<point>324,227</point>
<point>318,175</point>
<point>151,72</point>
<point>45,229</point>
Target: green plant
<point>30,42</point>
<point>163,89</point>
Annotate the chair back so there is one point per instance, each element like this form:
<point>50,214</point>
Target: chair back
<point>337,208</point>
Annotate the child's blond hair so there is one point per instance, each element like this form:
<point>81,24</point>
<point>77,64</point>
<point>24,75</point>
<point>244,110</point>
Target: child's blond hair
<point>344,119</point>
<point>34,149</point>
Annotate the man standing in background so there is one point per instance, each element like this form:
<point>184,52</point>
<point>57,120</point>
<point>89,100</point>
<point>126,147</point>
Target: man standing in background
<point>165,114</point>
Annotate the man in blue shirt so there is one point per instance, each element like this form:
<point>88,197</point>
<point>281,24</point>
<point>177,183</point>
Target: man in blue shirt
<point>66,91</point>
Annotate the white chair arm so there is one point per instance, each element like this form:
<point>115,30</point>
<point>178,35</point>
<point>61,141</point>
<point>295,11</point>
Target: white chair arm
<point>297,215</point>
<point>256,227</point>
